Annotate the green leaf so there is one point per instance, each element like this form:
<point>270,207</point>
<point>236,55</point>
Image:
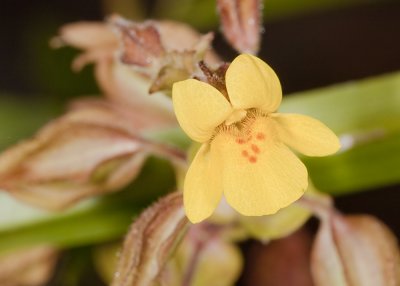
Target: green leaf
<point>366,166</point>
<point>363,106</point>
<point>366,115</point>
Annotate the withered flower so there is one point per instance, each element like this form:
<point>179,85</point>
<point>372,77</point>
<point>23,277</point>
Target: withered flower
<point>164,52</point>
<point>133,59</point>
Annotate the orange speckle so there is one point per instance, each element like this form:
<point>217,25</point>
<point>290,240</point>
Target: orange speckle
<point>245,153</point>
<point>240,141</point>
<point>255,148</point>
<point>260,136</point>
<point>252,159</point>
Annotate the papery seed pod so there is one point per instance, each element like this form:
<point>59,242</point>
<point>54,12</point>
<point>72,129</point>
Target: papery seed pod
<point>152,238</point>
<point>91,150</point>
<point>355,250</point>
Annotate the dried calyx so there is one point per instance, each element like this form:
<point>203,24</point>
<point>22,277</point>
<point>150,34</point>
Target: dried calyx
<point>150,242</point>
<point>165,56</point>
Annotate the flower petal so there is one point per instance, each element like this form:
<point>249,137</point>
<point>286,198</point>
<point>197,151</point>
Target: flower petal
<point>203,185</point>
<point>306,134</point>
<point>199,108</point>
<point>251,83</point>
<point>260,174</point>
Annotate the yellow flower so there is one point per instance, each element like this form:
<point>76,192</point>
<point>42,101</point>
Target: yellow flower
<point>244,153</point>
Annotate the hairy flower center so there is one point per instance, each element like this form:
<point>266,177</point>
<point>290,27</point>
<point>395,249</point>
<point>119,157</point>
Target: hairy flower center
<point>248,134</point>
<point>236,116</point>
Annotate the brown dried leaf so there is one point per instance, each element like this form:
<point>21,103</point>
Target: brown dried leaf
<point>355,250</point>
<point>241,24</point>
<point>150,241</point>
<point>27,267</point>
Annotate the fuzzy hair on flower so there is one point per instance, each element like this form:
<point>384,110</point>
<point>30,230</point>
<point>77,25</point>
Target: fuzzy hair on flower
<point>246,145</point>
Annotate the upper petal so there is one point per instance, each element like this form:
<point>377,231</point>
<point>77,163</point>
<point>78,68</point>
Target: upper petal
<point>203,185</point>
<point>251,83</point>
<point>306,134</point>
<point>260,175</point>
<point>199,108</point>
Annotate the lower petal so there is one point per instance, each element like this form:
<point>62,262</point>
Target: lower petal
<point>306,134</point>
<point>260,174</point>
<point>203,185</point>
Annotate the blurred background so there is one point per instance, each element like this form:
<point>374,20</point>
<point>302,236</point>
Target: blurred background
<point>310,44</point>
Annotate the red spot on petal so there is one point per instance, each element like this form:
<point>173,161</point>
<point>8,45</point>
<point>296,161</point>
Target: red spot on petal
<point>240,141</point>
<point>245,153</point>
<point>252,159</point>
<point>260,136</point>
<point>255,148</point>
